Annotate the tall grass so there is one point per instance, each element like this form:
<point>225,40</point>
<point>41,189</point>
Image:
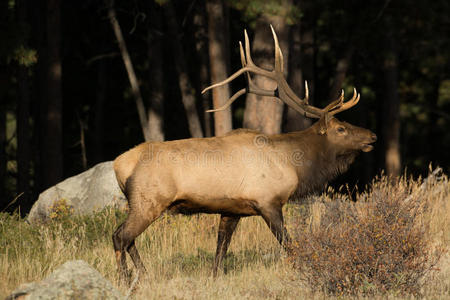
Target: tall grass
<point>179,250</point>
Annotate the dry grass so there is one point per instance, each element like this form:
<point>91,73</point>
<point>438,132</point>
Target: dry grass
<point>178,252</point>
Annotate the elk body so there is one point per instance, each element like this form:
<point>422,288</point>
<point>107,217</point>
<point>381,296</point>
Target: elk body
<point>244,173</point>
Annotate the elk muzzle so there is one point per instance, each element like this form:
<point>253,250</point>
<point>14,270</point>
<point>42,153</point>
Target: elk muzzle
<point>366,146</point>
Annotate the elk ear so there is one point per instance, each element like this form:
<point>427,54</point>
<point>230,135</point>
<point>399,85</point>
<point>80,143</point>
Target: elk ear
<point>323,124</point>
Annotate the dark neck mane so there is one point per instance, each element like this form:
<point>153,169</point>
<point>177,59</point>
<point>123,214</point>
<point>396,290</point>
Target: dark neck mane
<point>322,163</point>
<point>323,171</point>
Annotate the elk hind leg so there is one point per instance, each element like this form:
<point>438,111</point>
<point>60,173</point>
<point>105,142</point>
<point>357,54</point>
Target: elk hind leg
<point>120,254</point>
<point>124,239</point>
<point>226,228</point>
<point>136,258</point>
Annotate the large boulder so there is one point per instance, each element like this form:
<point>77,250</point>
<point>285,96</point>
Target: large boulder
<point>82,194</point>
<point>75,279</point>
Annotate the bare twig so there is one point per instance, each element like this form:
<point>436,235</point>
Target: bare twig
<point>13,201</point>
<point>101,56</point>
<point>82,142</point>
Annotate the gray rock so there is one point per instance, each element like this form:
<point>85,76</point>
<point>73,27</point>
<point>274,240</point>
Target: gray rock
<point>75,279</point>
<point>85,193</point>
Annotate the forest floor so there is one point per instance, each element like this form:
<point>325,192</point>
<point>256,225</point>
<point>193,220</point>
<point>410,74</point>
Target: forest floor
<point>179,250</point>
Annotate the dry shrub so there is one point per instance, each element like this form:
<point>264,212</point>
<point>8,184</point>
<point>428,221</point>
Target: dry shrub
<point>380,243</point>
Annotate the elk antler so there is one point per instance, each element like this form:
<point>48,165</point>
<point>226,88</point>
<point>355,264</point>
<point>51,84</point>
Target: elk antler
<point>283,91</point>
<point>339,105</point>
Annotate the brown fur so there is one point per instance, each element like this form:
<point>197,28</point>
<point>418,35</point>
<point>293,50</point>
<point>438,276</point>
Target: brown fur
<point>244,173</point>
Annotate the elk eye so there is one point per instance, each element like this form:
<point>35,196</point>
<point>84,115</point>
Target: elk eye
<point>341,129</point>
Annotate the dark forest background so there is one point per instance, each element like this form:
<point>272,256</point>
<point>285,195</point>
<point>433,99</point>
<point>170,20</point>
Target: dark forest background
<point>83,81</point>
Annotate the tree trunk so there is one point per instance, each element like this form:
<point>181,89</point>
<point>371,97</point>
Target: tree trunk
<point>201,40</point>
<point>100,99</point>
<point>218,47</point>
<point>156,99</point>
<point>294,120</point>
<point>341,72</point>
<point>3,159</point>
<point>391,106</point>
<point>187,94</point>
<point>265,113</point>
<point>4,83</point>
<point>130,70</point>
<point>23,136</point>
<point>433,138</point>
<point>38,95</point>
<point>309,49</point>
<point>51,142</point>
<point>23,123</point>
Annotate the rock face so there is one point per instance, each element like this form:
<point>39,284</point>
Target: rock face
<point>75,279</point>
<point>84,193</point>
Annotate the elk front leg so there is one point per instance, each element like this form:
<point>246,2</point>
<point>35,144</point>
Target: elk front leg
<point>273,217</point>
<point>226,228</point>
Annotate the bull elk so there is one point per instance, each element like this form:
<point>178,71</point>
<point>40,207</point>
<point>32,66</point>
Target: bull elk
<point>244,173</point>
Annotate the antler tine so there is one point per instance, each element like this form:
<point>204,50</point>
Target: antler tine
<point>247,49</point>
<point>230,101</point>
<point>278,54</point>
<point>306,93</point>
<point>252,88</point>
<point>244,64</point>
<point>249,67</point>
<point>228,80</point>
<point>241,51</point>
<point>335,103</point>
<point>346,105</point>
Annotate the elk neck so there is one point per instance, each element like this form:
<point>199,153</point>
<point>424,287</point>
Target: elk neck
<point>315,160</point>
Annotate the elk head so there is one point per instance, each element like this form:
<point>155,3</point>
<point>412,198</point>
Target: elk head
<point>345,137</point>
